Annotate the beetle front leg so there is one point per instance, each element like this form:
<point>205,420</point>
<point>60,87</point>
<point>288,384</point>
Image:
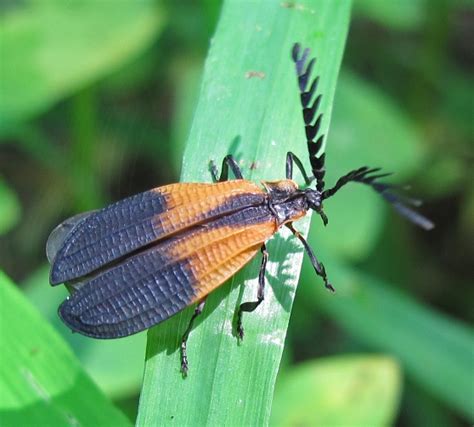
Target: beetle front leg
<point>228,162</point>
<point>318,266</point>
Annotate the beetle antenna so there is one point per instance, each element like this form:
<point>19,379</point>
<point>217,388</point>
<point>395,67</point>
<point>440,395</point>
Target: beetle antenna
<point>310,104</point>
<point>370,176</point>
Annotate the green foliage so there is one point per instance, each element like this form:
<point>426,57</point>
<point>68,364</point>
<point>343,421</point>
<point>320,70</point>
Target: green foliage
<point>52,49</point>
<point>423,340</point>
<point>96,103</point>
<point>9,207</point>
<point>258,120</point>
<point>434,350</point>
<point>337,391</point>
<point>41,381</point>
<point>368,129</point>
<point>401,15</point>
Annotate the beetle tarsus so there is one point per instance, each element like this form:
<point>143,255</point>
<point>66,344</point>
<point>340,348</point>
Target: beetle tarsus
<point>214,171</point>
<point>240,328</point>
<point>330,287</point>
<point>184,360</point>
<point>322,273</point>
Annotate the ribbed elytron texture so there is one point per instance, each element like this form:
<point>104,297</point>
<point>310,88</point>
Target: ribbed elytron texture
<point>125,226</point>
<point>153,285</point>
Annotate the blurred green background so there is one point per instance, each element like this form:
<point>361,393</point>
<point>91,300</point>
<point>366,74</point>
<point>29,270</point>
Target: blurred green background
<point>86,122</point>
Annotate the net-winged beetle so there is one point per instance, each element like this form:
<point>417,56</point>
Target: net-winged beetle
<point>141,260</point>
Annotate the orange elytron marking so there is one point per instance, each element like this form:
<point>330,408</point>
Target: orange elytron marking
<point>213,263</point>
<point>191,203</point>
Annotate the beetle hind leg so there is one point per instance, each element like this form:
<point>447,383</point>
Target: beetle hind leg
<point>184,339</point>
<point>252,305</point>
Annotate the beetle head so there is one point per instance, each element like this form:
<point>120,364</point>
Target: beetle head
<point>314,200</point>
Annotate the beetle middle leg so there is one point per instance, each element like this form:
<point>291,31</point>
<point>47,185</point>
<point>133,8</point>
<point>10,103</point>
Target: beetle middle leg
<point>252,305</point>
<point>318,266</point>
<point>228,162</point>
<point>184,339</point>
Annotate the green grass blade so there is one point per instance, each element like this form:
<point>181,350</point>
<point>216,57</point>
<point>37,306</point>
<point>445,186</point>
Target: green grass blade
<point>258,119</point>
<point>338,391</point>
<point>118,377</point>
<point>41,381</point>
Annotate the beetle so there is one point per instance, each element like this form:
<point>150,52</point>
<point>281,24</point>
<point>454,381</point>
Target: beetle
<point>139,261</point>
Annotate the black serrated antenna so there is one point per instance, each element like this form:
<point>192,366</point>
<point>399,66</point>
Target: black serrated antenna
<point>371,176</point>
<point>310,106</point>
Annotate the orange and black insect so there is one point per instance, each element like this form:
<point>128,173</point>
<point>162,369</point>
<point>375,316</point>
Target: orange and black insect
<point>141,260</point>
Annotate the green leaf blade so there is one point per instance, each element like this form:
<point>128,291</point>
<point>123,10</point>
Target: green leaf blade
<point>249,107</point>
<point>118,377</point>
<point>41,382</point>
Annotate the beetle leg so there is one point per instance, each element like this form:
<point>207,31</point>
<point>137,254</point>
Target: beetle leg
<point>318,266</point>
<point>228,162</point>
<point>184,339</point>
<point>292,158</point>
<point>252,305</point>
